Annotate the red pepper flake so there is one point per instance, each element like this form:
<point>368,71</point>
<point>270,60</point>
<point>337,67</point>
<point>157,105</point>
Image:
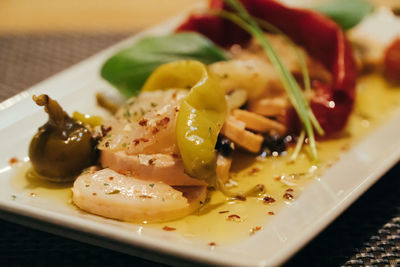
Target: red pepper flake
<point>175,156</point>
<point>233,217</point>
<point>151,161</point>
<point>174,95</point>
<point>163,121</point>
<point>13,160</point>
<point>176,109</point>
<point>271,213</point>
<point>167,228</point>
<point>137,141</point>
<point>253,171</point>
<point>289,190</point>
<point>143,122</point>
<point>223,211</point>
<point>212,244</point>
<point>288,196</point>
<point>154,130</point>
<point>111,178</point>
<point>268,200</point>
<point>94,194</point>
<point>145,196</point>
<point>107,144</point>
<point>255,229</point>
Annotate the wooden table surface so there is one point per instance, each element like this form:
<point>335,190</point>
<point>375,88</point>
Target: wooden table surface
<point>41,16</point>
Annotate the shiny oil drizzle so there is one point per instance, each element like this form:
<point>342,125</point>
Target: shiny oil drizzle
<point>36,188</point>
<point>223,220</point>
<point>282,178</point>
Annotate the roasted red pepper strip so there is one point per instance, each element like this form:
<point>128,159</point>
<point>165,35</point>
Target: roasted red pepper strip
<point>392,62</point>
<point>321,37</point>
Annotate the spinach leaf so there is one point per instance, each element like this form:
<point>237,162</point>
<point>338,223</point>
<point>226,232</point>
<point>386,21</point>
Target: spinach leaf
<point>128,69</point>
<point>346,13</point>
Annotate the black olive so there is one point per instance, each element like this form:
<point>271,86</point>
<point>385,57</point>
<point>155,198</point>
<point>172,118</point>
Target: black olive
<point>273,143</point>
<point>224,146</point>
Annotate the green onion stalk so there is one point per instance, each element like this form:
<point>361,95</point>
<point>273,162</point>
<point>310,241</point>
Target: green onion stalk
<point>300,104</point>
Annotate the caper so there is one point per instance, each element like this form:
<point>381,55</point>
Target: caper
<point>62,147</point>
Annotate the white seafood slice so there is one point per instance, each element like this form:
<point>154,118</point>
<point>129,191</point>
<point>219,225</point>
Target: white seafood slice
<point>113,195</point>
<point>146,125</point>
<point>157,167</point>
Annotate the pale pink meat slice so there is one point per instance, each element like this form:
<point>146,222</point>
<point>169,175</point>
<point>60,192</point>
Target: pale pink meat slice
<point>157,167</point>
<point>114,195</point>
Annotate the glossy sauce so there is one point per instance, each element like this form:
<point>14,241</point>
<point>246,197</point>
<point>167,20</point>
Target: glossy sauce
<point>376,101</point>
<point>36,188</point>
<point>223,220</point>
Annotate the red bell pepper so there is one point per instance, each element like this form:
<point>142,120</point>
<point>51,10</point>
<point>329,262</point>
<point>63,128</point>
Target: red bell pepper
<point>321,37</point>
<point>392,62</point>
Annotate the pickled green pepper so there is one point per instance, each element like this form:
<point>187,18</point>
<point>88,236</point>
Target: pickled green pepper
<point>200,117</point>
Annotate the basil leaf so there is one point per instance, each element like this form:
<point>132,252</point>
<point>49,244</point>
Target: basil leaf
<point>128,69</point>
<point>346,13</point>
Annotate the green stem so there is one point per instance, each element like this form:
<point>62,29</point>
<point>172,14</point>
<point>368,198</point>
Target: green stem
<point>244,20</point>
<point>303,67</point>
<point>298,147</point>
<point>299,54</point>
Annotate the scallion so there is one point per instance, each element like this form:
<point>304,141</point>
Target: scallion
<point>245,21</point>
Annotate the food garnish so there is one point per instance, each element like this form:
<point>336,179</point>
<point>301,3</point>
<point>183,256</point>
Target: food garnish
<point>200,117</point>
<point>129,69</point>
<point>346,13</point>
<point>13,160</point>
<point>331,103</point>
<point>246,22</point>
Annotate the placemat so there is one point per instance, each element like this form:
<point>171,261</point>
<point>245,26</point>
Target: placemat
<point>367,234</point>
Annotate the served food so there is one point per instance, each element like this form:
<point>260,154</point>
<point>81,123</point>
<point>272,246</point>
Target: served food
<point>243,89</point>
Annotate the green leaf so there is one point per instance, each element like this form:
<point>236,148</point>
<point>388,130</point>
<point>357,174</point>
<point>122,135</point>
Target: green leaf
<point>128,69</point>
<point>346,13</point>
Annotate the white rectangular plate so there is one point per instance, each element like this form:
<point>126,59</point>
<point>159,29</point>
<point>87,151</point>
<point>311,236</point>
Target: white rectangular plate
<point>293,227</point>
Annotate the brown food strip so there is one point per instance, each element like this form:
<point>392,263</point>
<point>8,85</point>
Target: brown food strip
<point>235,130</point>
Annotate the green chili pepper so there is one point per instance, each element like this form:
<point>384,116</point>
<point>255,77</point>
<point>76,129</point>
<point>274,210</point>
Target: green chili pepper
<point>200,117</point>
